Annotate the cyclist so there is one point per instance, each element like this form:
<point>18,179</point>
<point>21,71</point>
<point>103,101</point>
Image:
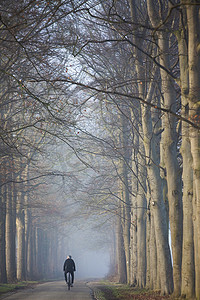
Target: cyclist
<point>69,267</point>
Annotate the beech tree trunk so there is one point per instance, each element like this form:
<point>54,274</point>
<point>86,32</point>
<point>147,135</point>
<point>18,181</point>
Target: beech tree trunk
<point>124,177</point>
<point>141,188</point>
<point>10,233</point>
<point>20,228</point>
<point>169,140</point>
<point>157,207</point>
<point>193,22</point>
<point>133,245</point>
<point>34,252</point>
<point>121,258</point>
<point>29,245</point>
<point>169,137</point>
<point>141,221</point>
<point>133,227</point>
<point>188,269</point>
<point>3,277</point>
<point>39,262</point>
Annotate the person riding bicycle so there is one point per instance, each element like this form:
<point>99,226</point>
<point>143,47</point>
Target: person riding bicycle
<point>69,267</point>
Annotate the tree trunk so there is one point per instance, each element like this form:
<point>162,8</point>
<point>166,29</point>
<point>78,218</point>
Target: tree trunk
<point>141,220</point>
<point>34,252</point>
<point>133,227</point>
<point>141,188</point>
<point>154,263</point>
<point>120,250</point>
<point>158,208</point>
<point>124,177</point>
<point>173,175</point>
<point>39,262</point>
<point>135,182</point>
<point>169,138</point>
<point>133,246</point>
<point>27,224</point>
<point>148,250</point>
<point>121,255</point>
<point>29,245</point>
<point>20,228</point>
<point>188,270</point>
<point>193,21</point>
<point>188,278</point>
<point>3,277</point>
<point>10,233</point>
<point>113,252</point>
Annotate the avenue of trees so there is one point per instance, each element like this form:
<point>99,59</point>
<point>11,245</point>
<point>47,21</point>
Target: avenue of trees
<point>100,107</point>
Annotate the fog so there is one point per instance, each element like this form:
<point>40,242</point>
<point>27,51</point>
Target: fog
<point>85,226</point>
<point>91,264</point>
<point>89,245</point>
<point>90,253</point>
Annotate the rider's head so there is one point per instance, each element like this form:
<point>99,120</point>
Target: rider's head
<point>69,256</point>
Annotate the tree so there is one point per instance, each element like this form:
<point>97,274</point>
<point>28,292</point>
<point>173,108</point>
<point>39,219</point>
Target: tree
<point>193,21</point>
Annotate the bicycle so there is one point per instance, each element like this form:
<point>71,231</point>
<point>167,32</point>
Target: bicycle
<point>69,280</point>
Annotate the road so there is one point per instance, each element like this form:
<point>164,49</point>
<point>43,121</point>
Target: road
<point>54,291</point>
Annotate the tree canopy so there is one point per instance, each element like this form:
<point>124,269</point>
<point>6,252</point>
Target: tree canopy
<point>100,121</point>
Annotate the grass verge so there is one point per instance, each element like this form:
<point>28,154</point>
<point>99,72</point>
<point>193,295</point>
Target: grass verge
<point>10,287</point>
<point>105,290</point>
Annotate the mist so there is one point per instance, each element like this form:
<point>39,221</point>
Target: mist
<point>92,264</point>
<point>90,251</point>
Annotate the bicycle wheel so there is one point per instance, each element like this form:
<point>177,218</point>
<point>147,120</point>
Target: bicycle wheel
<point>68,281</point>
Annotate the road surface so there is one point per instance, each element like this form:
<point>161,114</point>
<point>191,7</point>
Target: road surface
<point>54,291</point>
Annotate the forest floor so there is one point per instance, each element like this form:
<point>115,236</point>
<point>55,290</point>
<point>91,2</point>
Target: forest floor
<point>114,291</point>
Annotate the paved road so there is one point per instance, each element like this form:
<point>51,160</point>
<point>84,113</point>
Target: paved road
<point>54,291</point>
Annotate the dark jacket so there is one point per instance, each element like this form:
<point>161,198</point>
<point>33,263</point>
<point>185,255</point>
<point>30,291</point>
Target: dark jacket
<point>69,265</point>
